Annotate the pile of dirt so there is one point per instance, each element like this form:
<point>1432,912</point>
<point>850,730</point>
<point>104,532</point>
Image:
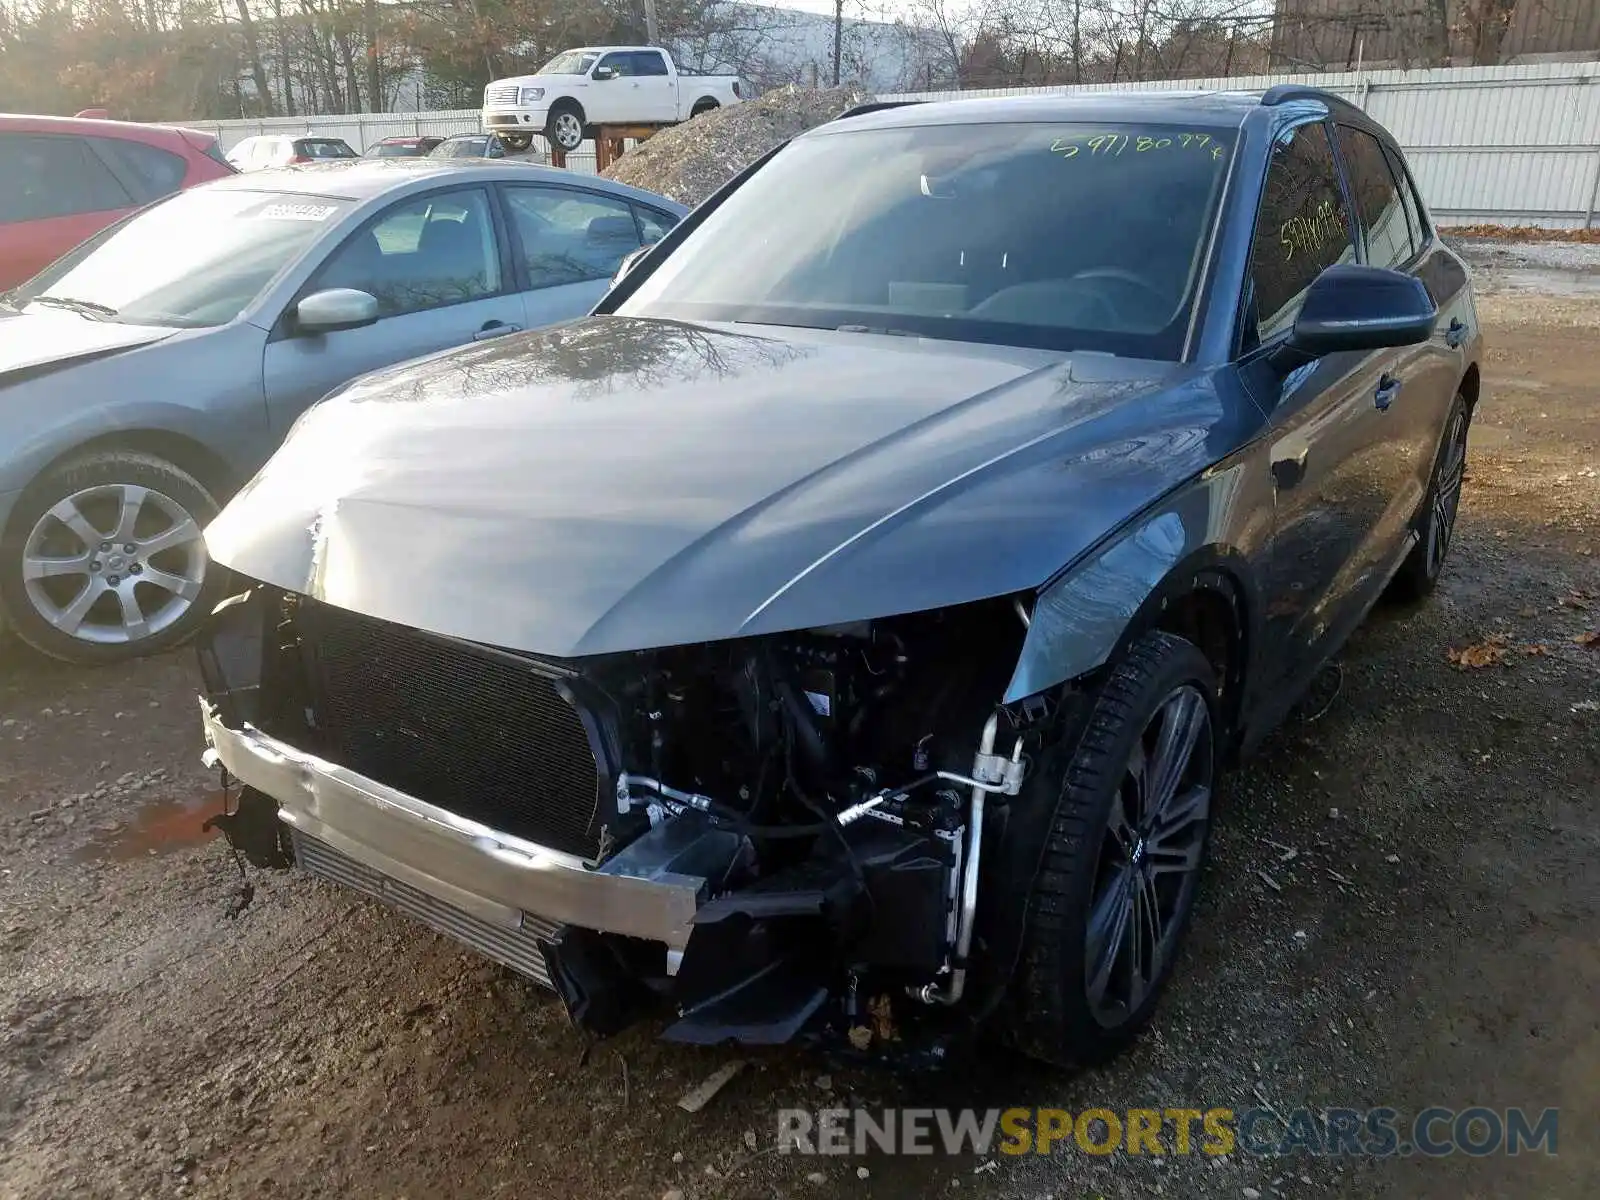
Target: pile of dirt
<point>690,161</point>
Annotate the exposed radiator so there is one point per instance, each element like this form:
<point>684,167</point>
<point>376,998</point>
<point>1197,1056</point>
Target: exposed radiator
<point>515,948</point>
<point>477,733</point>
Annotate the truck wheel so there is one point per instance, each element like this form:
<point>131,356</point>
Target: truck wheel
<point>703,105</point>
<point>103,560</point>
<point>516,142</point>
<point>564,126</point>
<point>1122,858</point>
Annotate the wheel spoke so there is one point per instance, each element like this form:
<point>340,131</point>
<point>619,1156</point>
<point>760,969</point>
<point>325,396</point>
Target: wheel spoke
<point>1173,847</point>
<point>1180,730</point>
<point>71,617</point>
<point>178,585</point>
<point>133,497</point>
<point>133,619</point>
<point>1118,827</point>
<point>1145,941</point>
<point>1108,925</point>
<point>38,567</point>
<point>1138,777</point>
<point>67,512</point>
<point>181,534</point>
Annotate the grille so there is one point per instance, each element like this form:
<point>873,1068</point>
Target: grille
<point>505,94</point>
<point>515,948</point>
<point>473,732</point>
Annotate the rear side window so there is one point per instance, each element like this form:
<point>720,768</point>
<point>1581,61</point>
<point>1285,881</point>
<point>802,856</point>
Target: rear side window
<point>323,148</point>
<point>653,225</point>
<point>43,177</point>
<point>1408,195</point>
<point>649,62</point>
<point>1382,216</point>
<point>152,172</point>
<point>570,236</point>
<point>1303,227</point>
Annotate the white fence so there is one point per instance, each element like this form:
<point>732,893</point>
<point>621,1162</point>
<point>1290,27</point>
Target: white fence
<point>1515,145</point>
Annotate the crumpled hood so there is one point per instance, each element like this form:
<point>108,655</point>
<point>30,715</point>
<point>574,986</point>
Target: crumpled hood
<point>49,339</point>
<point>619,483</point>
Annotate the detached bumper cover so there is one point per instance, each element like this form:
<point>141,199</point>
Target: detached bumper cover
<point>493,876</point>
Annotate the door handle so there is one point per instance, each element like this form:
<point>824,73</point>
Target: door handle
<point>1456,334</point>
<point>1290,469</point>
<point>1388,389</point>
<point>494,329</point>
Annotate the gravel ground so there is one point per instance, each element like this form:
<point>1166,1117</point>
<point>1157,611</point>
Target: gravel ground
<point>690,161</point>
<point>1402,910</point>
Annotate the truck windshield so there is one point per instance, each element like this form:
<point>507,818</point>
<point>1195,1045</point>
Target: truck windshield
<point>570,62</point>
<point>1057,236</point>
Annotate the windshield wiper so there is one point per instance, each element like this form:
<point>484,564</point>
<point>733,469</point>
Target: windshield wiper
<point>85,308</point>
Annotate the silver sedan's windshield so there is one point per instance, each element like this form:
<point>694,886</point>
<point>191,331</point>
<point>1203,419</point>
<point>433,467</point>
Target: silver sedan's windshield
<point>1055,235</point>
<point>195,260</point>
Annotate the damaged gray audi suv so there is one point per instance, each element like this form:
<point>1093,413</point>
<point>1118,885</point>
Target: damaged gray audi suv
<point>841,633</point>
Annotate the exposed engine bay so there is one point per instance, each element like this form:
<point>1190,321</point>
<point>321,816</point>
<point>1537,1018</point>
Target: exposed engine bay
<point>835,789</point>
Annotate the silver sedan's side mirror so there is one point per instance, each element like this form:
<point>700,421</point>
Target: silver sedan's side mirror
<point>336,308</point>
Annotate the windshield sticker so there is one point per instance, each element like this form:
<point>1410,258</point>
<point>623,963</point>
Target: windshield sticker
<point>1115,145</point>
<point>297,212</point>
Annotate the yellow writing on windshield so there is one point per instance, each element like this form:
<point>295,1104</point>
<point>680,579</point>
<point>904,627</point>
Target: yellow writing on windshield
<point>1115,145</point>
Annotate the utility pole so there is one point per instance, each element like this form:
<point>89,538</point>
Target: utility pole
<point>650,30</point>
<point>838,36</point>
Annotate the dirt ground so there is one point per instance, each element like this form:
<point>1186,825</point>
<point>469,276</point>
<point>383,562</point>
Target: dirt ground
<point>1402,910</point>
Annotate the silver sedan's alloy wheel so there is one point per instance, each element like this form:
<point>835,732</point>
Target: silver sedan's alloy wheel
<point>568,131</point>
<point>114,564</point>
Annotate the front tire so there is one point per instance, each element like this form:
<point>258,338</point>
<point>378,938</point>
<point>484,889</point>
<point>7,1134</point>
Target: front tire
<point>1122,858</point>
<point>104,561</point>
<point>564,126</point>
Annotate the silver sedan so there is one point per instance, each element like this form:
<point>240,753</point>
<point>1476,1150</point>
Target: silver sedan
<point>148,373</point>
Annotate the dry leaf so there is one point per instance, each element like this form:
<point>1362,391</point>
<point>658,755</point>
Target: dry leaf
<point>1590,639</point>
<point>1574,600</point>
<point>1536,648</point>
<point>1486,653</point>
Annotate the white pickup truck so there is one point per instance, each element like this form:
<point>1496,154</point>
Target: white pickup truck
<point>600,85</point>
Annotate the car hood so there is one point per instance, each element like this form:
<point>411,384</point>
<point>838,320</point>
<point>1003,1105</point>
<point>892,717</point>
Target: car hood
<point>619,483</point>
<point>41,340</point>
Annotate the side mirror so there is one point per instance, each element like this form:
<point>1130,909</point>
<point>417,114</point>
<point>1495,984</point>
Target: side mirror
<point>629,261</point>
<point>333,309</point>
<point>603,73</point>
<point>1351,307</point>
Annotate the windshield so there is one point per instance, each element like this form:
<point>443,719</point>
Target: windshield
<point>193,260</point>
<point>324,148</point>
<point>474,146</point>
<point>1057,236</point>
<point>570,62</point>
<point>397,150</point>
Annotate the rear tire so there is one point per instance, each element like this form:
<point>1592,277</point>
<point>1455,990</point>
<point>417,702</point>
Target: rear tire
<point>1436,524</point>
<point>705,105</point>
<point>1122,858</point>
<point>70,584</point>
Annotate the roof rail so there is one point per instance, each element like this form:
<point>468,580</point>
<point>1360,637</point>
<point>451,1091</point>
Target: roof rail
<point>873,106</point>
<point>1279,93</point>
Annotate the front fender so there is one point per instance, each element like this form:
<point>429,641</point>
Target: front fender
<point>1083,617</point>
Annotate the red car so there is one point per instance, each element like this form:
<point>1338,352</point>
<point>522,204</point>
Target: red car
<point>64,178</point>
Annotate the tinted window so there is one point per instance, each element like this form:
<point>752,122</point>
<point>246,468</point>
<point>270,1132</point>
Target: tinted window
<point>1020,234</point>
<point>153,172</point>
<point>196,259</point>
<point>1408,196</point>
<point>423,253</point>
<point>570,236</point>
<point>653,225</point>
<point>1302,227</point>
<point>649,62</point>
<point>44,177</point>
<point>1383,218</point>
